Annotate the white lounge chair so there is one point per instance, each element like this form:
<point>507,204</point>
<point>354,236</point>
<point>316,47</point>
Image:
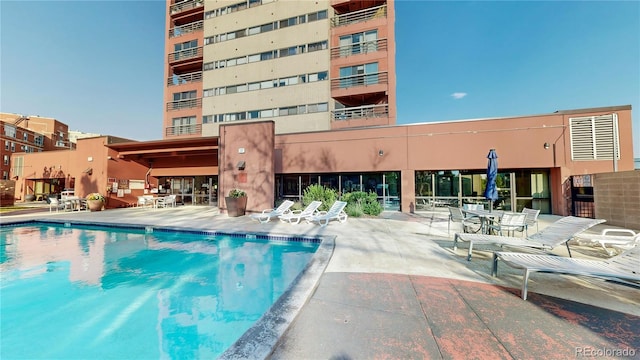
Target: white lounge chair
<point>558,233</point>
<point>618,239</point>
<point>295,216</point>
<point>336,212</point>
<point>266,215</point>
<point>624,268</point>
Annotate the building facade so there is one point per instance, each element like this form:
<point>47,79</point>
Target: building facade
<point>306,65</point>
<point>29,134</point>
<point>272,96</point>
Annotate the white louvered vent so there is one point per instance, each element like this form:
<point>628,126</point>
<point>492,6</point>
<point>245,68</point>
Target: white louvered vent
<point>594,137</point>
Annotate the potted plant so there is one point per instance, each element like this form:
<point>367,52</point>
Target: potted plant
<point>95,201</point>
<point>236,202</point>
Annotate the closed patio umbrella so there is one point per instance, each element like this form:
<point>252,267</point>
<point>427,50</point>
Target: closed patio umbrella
<point>491,191</point>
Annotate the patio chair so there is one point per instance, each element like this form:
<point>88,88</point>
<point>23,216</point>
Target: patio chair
<point>266,215</point>
<point>336,212</point>
<point>294,217</point>
<point>54,203</point>
<point>560,232</point>
<point>618,239</point>
<point>532,218</point>
<point>509,222</point>
<point>456,215</point>
<point>623,268</point>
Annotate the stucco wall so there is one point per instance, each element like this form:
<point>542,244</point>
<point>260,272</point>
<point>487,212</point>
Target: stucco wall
<point>617,198</point>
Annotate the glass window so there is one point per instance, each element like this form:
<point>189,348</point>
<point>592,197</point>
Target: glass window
<point>254,86</point>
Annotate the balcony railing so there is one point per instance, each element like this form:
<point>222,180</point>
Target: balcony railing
<point>363,47</point>
<point>186,54</point>
<point>186,29</point>
<point>193,129</point>
<point>359,80</point>
<point>377,12</point>
<point>360,112</point>
<point>184,104</point>
<point>185,5</point>
<point>184,78</point>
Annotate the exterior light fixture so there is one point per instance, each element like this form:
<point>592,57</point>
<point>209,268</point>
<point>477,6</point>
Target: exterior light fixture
<point>380,152</point>
<point>241,165</point>
<point>546,146</point>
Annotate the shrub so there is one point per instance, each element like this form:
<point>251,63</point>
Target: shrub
<point>236,193</point>
<point>319,193</point>
<point>354,210</point>
<point>367,203</point>
<point>95,196</point>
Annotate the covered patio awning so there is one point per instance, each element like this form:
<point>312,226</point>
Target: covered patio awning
<point>153,153</point>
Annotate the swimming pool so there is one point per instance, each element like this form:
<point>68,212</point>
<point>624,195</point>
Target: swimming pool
<point>79,291</point>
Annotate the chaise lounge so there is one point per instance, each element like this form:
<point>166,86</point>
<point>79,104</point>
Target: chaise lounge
<point>558,233</point>
<point>336,212</point>
<point>623,268</point>
<point>266,215</point>
<point>294,217</point>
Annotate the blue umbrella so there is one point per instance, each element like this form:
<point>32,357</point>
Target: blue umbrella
<point>491,191</point>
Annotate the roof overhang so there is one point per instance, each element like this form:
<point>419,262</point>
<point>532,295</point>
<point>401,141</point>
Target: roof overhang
<point>143,151</point>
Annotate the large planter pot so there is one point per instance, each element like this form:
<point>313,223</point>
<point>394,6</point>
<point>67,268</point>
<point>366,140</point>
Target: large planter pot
<point>236,206</point>
<point>95,205</point>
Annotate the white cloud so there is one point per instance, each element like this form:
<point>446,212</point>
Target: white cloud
<point>458,95</point>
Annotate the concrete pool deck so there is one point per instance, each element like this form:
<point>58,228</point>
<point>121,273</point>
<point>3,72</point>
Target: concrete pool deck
<point>394,288</point>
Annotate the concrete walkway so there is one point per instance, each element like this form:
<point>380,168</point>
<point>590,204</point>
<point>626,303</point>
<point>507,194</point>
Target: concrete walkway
<point>395,289</point>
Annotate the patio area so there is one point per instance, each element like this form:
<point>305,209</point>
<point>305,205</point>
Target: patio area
<point>394,288</point>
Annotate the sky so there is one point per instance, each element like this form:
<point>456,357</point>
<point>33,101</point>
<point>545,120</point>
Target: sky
<point>98,65</point>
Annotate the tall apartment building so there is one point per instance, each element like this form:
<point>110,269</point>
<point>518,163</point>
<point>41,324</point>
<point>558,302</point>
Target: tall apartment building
<point>307,65</point>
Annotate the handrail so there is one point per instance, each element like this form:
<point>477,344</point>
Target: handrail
<point>185,5</point>
<point>184,104</point>
<point>184,78</point>
<point>359,16</point>
<point>367,111</point>
<point>186,29</point>
<point>191,129</point>
<point>185,54</point>
<point>359,80</point>
<point>363,47</point>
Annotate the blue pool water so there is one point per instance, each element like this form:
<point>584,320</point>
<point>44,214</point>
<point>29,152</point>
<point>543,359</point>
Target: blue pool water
<point>107,293</point>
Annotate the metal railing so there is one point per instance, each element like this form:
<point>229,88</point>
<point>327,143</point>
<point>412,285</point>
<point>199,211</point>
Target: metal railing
<point>377,12</point>
<point>186,29</point>
<point>184,78</point>
<point>364,47</point>
<point>185,5</point>
<point>359,80</point>
<point>368,111</point>
<point>185,54</point>
<point>184,104</point>
<point>192,129</point>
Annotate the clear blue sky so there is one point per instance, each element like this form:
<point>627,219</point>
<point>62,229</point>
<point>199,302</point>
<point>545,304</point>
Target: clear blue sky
<point>98,65</point>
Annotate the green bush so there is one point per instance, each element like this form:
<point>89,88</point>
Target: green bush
<point>354,210</point>
<point>319,193</point>
<point>360,201</point>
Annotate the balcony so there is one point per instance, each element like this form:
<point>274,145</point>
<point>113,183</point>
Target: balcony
<point>185,6</point>
<point>361,112</point>
<point>364,47</point>
<point>184,104</point>
<point>185,55</point>
<point>186,29</point>
<point>378,12</point>
<point>184,78</point>
<point>359,80</point>
<point>193,129</point>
